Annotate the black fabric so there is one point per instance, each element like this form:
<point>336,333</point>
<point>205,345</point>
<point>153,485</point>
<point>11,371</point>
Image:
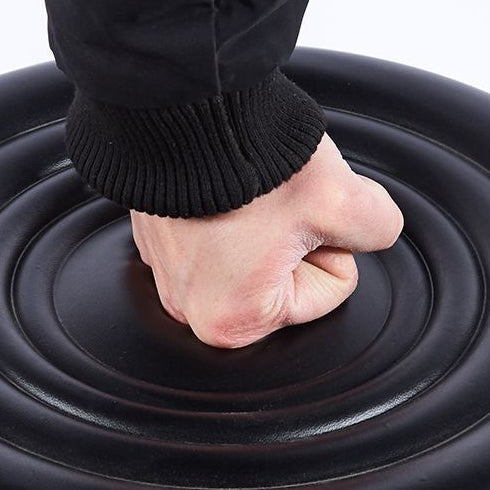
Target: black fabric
<point>219,153</point>
<point>181,108</point>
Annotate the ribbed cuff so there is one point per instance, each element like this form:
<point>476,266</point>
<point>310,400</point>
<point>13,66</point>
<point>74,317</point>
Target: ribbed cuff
<point>196,159</point>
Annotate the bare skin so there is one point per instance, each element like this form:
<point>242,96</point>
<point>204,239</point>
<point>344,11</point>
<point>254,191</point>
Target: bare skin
<point>283,259</point>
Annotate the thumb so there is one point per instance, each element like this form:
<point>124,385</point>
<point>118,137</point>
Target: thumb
<point>324,279</point>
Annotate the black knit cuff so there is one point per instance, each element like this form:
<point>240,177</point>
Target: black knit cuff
<point>196,159</point>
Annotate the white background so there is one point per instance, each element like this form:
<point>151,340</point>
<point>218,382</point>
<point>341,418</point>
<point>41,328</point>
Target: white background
<point>449,37</point>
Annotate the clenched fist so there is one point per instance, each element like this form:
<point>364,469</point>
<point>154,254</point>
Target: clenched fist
<point>285,258</point>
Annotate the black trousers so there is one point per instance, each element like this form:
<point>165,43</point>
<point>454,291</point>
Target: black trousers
<point>181,108</point>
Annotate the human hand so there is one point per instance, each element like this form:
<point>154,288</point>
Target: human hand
<point>285,258</point>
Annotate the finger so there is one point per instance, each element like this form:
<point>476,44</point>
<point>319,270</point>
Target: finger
<point>323,280</point>
<point>360,216</point>
<point>164,296</point>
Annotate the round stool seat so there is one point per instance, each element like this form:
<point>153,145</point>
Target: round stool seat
<point>101,389</point>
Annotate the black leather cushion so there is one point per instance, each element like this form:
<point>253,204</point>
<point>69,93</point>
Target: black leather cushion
<point>100,389</point>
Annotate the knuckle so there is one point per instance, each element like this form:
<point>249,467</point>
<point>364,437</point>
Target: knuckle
<point>349,200</point>
<point>221,336</point>
<point>170,305</point>
<point>237,327</point>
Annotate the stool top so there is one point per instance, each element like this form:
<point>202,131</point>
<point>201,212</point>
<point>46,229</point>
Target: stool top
<point>100,388</point>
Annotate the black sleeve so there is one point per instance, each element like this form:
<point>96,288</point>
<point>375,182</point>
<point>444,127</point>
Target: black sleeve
<point>180,107</point>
